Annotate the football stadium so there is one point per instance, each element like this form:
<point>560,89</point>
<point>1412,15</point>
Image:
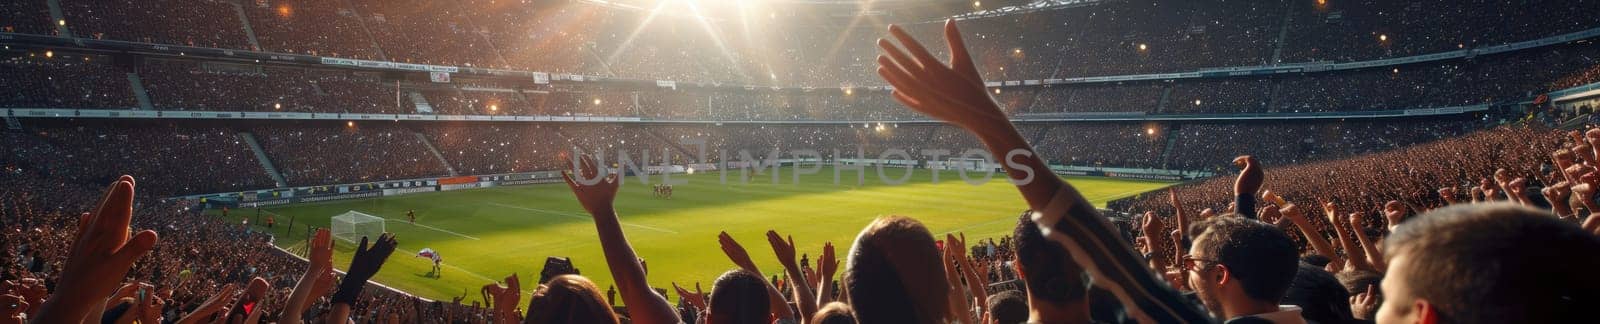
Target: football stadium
<point>799,161</point>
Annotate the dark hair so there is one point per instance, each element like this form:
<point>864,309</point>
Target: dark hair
<point>568,299</point>
<point>1356,281</point>
<point>873,280</point>
<point>834,313</point>
<point>1048,269</point>
<point>740,296</point>
<point>1320,296</point>
<point>1262,258</point>
<point>122,308</point>
<point>1008,307</point>
<point>1484,263</point>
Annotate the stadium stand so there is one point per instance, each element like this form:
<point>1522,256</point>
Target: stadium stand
<point>813,87</point>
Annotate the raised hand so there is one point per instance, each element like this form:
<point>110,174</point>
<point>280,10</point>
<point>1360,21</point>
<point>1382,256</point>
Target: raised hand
<point>596,198</point>
<point>363,266</point>
<point>504,300</point>
<point>736,252</point>
<point>1558,195</point>
<point>1271,215</point>
<point>827,265</point>
<point>1517,189</point>
<point>803,292</point>
<point>211,306</point>
<point>1448,194</point>
<point>696,299</point>
<point>1364,305</point>
<point>320,257</point>
<point>1248,183</point>
<point>321,251</point>
<point>953,92</point>
<point>99,258</point>
<point>1394,212</point>
<point>12,309</point>
<point>784,249</point>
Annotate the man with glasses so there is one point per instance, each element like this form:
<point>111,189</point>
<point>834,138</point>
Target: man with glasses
<point>1240,268</point>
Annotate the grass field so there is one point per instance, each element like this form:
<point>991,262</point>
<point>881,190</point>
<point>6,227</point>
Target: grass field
<point>486,234</point>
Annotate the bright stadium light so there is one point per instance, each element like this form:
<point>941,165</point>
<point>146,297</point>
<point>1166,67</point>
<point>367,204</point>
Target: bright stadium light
<point>49,54</point>
<point>1143,46</point>
<point>1383,37</point>
<point>277,106</point>
<point>597,101</point>
<point>493,107</point>
<point>61,22</point>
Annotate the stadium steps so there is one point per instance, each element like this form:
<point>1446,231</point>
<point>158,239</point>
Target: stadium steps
<point>685,153</point>
<point>1166,97</point>
<point>366,30</point>
<point>436,154</point>
<point>423,107</point>
<point>57,15</point>
<point>1283,34</point>
<point>244,20</point>
<point>1172,141</point>
<point>138,92</point>
<point>261,156</point>
<point>13,124</point>
<point>603,64</point>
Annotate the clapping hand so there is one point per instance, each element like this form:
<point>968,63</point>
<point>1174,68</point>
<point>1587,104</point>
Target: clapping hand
<point>99,258</point>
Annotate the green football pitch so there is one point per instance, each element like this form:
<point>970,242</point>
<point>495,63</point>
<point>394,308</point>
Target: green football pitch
<point>484,235</point>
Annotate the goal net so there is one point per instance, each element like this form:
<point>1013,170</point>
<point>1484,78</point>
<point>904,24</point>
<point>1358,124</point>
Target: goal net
<point>352,225</point>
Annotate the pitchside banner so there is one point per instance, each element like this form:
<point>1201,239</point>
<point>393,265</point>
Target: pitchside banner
<point>439,77</point>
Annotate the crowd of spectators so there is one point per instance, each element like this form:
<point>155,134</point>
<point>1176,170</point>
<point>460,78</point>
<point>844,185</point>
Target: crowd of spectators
<point>1093,39</point>
<point>199,256</point>
<point>493,149</point>
<point>325,153</point>
<point>26,17</point>
<point>185,85</point>
<point>178,159</point>
<point>74,81</point>
<point>1473,227</point>
<point>321,28</point>
<point>1207,146</point>
<point>198,23</point>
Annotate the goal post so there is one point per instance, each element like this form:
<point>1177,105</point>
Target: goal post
<point>352,225</point>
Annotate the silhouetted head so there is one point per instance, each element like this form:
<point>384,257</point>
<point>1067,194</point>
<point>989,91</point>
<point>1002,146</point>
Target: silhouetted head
<point>895,274</point>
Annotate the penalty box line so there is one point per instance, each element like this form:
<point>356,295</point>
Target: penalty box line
<point>584,217</point>
<point>396,220</point>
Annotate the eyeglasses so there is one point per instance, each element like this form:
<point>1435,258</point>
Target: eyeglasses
<point>1190,265</point>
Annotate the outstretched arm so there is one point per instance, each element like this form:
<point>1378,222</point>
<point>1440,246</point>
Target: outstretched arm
<point>1318,242</point>
<point>1245,187</point>
<point>803,295</point>
<point>741,258</point>
<point>955,93</point>
<point>644,305</point>
<point>99,258</point>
